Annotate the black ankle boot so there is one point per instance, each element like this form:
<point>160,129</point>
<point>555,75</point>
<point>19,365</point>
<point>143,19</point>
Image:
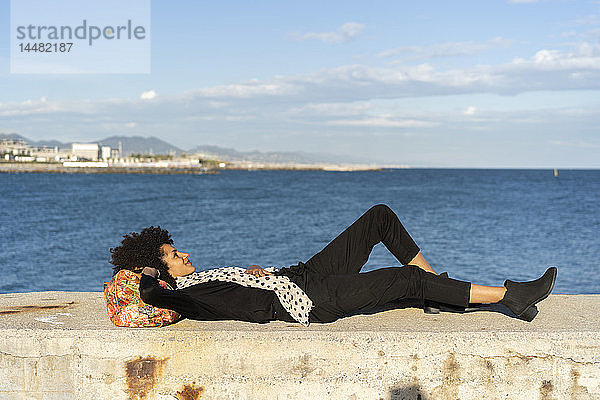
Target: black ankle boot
<point>521,296</point>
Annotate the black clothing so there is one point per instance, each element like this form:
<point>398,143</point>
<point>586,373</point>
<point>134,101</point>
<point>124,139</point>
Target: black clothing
<point>336,296</point>
<point>330,278</point>
<point>210,301</point>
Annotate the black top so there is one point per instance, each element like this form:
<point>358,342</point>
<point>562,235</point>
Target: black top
<point>214,300</point>
<point>217,300</point>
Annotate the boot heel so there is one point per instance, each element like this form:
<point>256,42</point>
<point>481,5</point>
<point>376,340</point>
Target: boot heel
<point>431,307</point>
<point>529,314</point>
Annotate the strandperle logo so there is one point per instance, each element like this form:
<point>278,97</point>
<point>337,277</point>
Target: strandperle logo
<point>80,36</point>
<point>84,31</point>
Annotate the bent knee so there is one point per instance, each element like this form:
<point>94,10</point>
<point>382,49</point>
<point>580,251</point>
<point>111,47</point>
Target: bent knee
<point>417,273</point>
<point>381,208</point>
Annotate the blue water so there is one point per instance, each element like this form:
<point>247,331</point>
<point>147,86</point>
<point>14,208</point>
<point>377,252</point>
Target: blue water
<point>479,225</point>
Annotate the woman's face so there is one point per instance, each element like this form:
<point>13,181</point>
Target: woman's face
<point>177,261</point>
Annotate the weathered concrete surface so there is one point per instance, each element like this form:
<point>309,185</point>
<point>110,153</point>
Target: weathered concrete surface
<point>61,345</point>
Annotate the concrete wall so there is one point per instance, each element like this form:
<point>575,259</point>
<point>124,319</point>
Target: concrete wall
<point>61,345</point>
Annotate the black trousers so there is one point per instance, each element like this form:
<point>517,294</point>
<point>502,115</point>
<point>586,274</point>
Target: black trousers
<point>332,278</point>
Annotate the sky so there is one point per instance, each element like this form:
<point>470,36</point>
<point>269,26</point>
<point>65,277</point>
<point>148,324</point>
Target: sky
<point>495,83</point>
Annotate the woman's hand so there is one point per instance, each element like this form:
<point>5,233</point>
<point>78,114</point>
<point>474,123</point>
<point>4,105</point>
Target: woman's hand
<point>153,272</point>
<point>257,271</point>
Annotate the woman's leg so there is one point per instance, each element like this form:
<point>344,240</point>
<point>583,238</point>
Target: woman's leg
<point>486,294</point>
<point>422,263</point>
<point>363,292</point>
<point>349,251</point>
<point>343,295</point>
<point>349,294</point>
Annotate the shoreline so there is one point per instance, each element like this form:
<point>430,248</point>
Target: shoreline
<point>56,168</point>
<point>16,168</point>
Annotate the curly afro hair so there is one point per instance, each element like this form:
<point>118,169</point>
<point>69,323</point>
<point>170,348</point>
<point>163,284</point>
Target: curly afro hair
<point>139,250</point>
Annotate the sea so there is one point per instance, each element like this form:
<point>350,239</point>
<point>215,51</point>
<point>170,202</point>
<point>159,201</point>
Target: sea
<point>479,225</point>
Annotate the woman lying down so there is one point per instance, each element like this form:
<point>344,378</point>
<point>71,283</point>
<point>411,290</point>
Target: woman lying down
<point>325,288</point>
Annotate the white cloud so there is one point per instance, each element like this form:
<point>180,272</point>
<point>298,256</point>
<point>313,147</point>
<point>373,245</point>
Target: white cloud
<point>346,32</point>
<point>451,49</point>
<point>29,107</point>
<point>130,124</point>
<point>149,95</point>
<point>218,104</point>
<point>589,20</point>
<point>593,33</point>
<point>501,41</point>
<point>348,89</point>
<point>584,56</point>
<point>470,110</point>
<point>580,144</point>
<point>381,122</point>
<point>569,34</point>
<point>249,89</point>
<point>331,109</point>
<point>219,118</point>
<point>548,69</point>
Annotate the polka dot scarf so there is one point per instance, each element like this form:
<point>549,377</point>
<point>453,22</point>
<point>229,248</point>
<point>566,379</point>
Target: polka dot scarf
<point>292,298</point>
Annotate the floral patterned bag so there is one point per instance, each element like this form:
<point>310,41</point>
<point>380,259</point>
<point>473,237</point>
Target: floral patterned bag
<point>126,308</point>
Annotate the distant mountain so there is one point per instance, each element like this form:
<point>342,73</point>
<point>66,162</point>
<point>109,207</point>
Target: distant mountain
<point>228,154</point>
<point>11,136</point>
<point>50,143</point>
<point>140,145</point>
<point>41,143</point>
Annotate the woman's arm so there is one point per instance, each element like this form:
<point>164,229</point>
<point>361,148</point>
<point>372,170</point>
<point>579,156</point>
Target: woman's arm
<point>152,293</point>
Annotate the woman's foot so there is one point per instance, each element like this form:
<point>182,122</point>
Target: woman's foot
<point>520,296</point>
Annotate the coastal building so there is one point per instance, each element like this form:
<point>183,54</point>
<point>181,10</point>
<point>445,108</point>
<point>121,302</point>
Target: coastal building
<point>47,154</point>
<point>106,153</point>
<point>89,155</point>
<point>20,151</point>
<point>14,147</point>
<point>86,151</point>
